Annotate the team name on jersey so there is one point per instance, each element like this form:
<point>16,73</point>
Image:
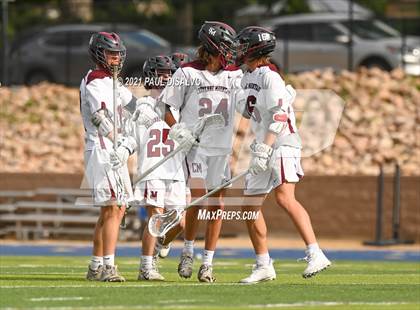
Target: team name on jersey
<point>223,89</point>
<point>152,121</point>
<point>253,86</point>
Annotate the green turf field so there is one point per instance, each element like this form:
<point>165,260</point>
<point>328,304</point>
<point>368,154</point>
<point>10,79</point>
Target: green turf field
<point>58,283</point>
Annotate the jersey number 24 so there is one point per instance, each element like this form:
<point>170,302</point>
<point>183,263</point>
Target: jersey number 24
<point>207,108</point>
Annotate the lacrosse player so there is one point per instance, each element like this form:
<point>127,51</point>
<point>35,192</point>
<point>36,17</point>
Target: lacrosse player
<point>179,59</point>
<point>163,245</point>
<point>204,87</point>
<point>276,151</point>
<point>111,189</point>
<point>164,187</point>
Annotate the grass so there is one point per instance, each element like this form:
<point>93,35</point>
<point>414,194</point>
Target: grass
<point>58,283</point>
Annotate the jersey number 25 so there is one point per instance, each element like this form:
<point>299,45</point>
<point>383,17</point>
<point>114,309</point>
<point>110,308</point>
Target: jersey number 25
<point>157,137</point>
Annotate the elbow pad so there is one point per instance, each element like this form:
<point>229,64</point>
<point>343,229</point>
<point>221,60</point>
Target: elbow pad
<point>279,123</point>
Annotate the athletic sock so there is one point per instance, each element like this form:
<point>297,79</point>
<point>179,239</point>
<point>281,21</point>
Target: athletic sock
<point>109,260</point>
<point>188,247</point>
<point>146,262</point>
<point>313,247</point>
<point>95,262</point>
<point>263,259</point>
<point>208,257</point>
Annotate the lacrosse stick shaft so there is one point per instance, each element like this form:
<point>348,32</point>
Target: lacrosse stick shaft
<point>156,232</point>
<point>159,163</point>
<point>220,187</point>
<point>114,94</point>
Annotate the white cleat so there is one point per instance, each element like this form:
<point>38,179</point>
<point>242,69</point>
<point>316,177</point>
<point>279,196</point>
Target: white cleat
<point>185,266</point>
<point>164,251</point>
<point>110,274</point>
<point>260,273</point>
<point>150,275</point>
<point>317,261</point>
<point>205,274</point>
<point>94,275</point>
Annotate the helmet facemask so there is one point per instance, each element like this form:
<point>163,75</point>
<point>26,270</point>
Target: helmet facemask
<point>102,42</point>
<point>158,71</point>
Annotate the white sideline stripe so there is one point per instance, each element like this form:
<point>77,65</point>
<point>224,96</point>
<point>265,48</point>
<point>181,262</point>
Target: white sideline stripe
<point>184,306</point>
<point>36,266</point>
<point>329,303</point>
<point>57,298</point>
<point>174,301</point>
<point>125,285</point>
<point>66,274</point>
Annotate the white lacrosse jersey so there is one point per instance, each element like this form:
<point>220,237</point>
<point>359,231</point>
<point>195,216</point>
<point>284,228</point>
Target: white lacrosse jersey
<point>96,92</point>
<point>196,92</point>
<point>153,144</point>
<point>265,91</point>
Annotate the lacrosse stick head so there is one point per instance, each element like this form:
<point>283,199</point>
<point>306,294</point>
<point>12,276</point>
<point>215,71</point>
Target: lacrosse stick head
<point>209,121</point>
<point>160,224</point>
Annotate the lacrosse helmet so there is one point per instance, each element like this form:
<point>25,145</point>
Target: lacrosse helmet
<point>179,59</point>
<point>104,41</point>
<point>254,42</point>
<point>218,38</point>
<point>156,67</point>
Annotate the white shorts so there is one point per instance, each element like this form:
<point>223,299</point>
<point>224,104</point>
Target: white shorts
<point>166,194</point>
<point>102,179</point>
<point>285,168</point>
<point>214,169</point>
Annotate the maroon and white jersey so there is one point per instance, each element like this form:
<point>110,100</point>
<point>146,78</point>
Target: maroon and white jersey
<point>153,144</point>
<point>196,92</point>
<point>96,93</point>
<point>267,99</point>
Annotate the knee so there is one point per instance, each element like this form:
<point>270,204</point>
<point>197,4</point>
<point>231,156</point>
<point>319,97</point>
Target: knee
<point>285,201</point>
<point>112,212</point>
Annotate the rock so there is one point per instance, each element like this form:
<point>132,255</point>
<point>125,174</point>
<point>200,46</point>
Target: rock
<point>42,130</point>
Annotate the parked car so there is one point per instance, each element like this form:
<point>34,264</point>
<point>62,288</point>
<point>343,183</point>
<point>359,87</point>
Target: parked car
<point>321,40</point>
<point>60,53</point>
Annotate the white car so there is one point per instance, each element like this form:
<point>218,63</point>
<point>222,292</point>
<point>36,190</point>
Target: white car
<point>314,41</point>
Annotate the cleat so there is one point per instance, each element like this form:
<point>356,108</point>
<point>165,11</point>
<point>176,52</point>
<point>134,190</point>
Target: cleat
<point>205,274</point>
<point>185,266</point>
<point>150,275</point>
<point>260,273</point>
<point>94,275</point>
<point>164,249</point>
<point>110,274</point>
<point>317,262</point>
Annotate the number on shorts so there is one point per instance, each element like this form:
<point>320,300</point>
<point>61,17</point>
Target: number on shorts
<point>207,108</point>
<point>156,137</point>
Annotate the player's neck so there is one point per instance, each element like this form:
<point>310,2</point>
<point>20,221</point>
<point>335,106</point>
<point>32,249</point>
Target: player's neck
<point>213,65</point>
<point>252,65</point>
<point>155,92</point>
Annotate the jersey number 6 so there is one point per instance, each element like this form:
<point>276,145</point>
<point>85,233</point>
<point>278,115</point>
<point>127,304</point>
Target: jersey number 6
<point>157,137</point>
<point>207,108</point>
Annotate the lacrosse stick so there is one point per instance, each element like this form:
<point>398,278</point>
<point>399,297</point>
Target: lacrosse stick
<point>114,100</point>
<point>160,224</point>
<point>120,187</point>
<point>210,121</point>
